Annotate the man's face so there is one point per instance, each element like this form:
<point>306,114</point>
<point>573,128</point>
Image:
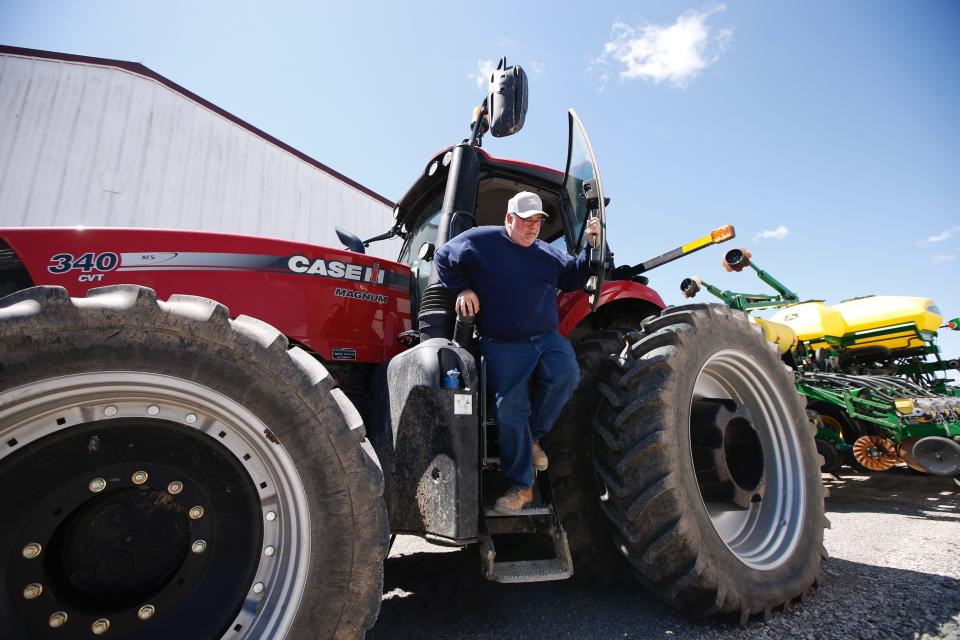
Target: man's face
<point>523,231</point>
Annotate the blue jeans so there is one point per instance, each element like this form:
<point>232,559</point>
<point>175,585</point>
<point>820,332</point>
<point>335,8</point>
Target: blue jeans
<point>531,381</point>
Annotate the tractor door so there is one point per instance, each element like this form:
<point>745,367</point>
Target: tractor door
<point>584,189</point>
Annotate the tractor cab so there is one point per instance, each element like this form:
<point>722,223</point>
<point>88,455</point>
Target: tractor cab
<point>464,186</point>
<point>420,210</point>
<point>438,398</point>
<point>440,438</point>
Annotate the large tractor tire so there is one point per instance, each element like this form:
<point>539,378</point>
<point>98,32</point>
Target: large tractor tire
<point>576,490</point>
<point>169,472</point>
<point>712,481</point>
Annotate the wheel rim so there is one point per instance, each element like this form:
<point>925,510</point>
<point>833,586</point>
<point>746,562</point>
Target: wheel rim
<point>761,517</point>
<point>146,410</point>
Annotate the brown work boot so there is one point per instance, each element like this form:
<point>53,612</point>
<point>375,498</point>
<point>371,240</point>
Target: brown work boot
<point>513,500</point>
<point>540,461</point>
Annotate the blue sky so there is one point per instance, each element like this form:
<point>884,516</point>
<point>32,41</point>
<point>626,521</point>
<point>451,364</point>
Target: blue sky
<point>828,133</point>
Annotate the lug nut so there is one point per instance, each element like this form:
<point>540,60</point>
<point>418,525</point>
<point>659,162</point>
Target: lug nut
<point>191,418</point>
<point>258,588</point>
<point>271,516</point>
<point>146,612</point>
<point>99,627</point>
<point>32,590</point>
<point>196,512</point>
<point>57,619</point>
<point>139,477</point>
<point>269,551</point>
<point>32,550</point>
<point>199,546</point>
<point>153,410</point>
<point>175,487</point>
<point>97,485</point>
<point>110,411</point>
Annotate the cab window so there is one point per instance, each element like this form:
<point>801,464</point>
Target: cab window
<point>423,230</point>
<point>492,195</point>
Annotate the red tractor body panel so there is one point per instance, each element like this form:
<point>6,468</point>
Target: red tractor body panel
<point>341,305</point>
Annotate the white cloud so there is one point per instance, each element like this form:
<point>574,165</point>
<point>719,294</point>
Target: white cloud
<point>940,259</point>
<point>675,53</point>
<point>779,233</point>
<point>537,67</point>
<point>940,237</point>
<point>485,69</point>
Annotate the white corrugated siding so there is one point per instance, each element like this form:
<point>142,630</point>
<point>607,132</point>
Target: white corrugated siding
<point>85,144</point>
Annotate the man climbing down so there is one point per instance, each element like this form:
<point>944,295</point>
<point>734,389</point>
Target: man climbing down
<point>531,368</point>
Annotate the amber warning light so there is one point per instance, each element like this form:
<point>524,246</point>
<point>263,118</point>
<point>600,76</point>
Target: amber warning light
<point>722,234</point>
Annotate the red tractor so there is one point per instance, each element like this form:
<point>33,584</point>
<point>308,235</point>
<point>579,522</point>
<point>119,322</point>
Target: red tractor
<point>215,436</point>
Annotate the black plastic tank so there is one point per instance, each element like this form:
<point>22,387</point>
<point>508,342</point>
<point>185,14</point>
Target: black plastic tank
<point>433,484</point>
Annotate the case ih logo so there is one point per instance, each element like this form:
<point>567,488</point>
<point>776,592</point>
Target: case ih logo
<point>336,269</point>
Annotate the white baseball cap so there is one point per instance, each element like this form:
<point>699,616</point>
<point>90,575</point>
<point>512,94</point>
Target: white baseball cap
<point>525,205</point>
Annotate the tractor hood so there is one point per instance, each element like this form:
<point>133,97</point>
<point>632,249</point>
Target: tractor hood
<point>339,304</point>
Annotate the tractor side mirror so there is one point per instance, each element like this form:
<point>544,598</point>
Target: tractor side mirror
<point>507,99</point>
<point>350,241</point>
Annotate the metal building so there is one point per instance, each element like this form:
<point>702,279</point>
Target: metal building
<point>96,142</point>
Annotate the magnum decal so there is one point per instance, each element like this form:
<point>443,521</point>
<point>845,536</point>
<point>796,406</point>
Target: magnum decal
<point>360,295</point>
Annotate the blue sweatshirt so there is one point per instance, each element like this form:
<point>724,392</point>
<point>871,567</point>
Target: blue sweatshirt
<point>517,286</point>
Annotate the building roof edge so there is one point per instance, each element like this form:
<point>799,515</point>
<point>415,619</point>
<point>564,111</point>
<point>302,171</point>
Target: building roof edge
<point>141,70</point>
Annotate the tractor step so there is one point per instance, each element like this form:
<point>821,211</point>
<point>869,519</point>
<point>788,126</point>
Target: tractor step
<point>526,570</point>
<point>527,546</point>
<point>524,538</point>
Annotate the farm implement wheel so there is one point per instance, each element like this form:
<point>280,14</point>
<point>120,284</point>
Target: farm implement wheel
<point>936,455</point>
<point>712,479</point>
<point>833,423</point>
<point>170,472</point>
<point>848,429</point>
<point>875,453</point>
<point>906,455</point>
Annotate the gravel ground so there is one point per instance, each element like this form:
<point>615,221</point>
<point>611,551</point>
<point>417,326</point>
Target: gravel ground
<point>893,572</point>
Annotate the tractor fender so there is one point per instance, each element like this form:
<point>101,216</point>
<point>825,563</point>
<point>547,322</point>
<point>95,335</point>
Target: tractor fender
<point>574,306</point>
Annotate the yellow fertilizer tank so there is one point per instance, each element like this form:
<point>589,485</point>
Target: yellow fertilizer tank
<point>866,316</point>
<point>885,321</point>
<point>811,321</point>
